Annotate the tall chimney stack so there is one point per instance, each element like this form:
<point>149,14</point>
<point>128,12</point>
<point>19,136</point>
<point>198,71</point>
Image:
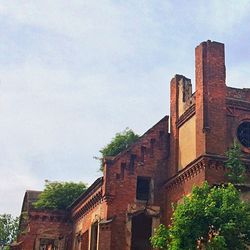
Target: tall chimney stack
<point>210,94</point>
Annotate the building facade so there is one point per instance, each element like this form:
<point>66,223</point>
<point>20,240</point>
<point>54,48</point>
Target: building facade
<point>120,210</point>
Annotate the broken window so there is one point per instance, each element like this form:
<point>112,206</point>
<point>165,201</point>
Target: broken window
<point>143,188</point>
<point>141,232</point>
<point>48,244</point>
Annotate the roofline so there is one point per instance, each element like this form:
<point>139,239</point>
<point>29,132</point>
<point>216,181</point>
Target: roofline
<point>97,183</point>
<point>244,89</point>
<point>26,196</point>
<point>116,157</point>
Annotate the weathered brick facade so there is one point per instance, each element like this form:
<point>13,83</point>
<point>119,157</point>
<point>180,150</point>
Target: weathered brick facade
<point>120,210</point>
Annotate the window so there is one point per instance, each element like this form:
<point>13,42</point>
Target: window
<point>85,240</point>
<point>48,244</point>
<point>243,134</point>
<point>132,163</point>
<point>94,236</point>
<point>143,188</point>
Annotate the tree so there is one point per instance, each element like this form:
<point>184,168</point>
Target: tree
<point>8,230</point>
<point>120,142</point>
<point>59,195</point>
<point>234,164</point>
<point>161,238</point>
<point>210,218</point>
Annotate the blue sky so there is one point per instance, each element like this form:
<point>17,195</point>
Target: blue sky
<point>73,73</point>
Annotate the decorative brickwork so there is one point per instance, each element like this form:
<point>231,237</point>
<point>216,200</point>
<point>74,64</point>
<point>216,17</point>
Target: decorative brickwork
<point>139,185</point>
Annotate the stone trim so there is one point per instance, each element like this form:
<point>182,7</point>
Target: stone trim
<point>186,116</point>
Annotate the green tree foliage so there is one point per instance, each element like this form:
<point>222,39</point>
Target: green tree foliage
<point>234,164</point>
<point>59,195</point>
<point>161,238</point>
<point>8,230</point>
<point>210,218</point>
<point>120,142</point>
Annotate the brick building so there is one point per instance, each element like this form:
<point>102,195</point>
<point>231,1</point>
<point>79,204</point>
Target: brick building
<point>120,210</point>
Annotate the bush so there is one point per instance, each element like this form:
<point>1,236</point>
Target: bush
<point>210,218</point>
<point>120,142</point>
<point>59,195</point>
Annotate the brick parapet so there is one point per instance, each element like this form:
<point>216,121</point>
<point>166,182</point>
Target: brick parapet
<point>148,157</point>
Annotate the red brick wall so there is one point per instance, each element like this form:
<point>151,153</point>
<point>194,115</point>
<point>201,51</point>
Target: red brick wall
<point>82,221</point>
<point>45,224</point>
<point>174,95</point>
<point>151,156</point>
<point>175,192</point>
<point>218,110</point>
<point>210,98</point>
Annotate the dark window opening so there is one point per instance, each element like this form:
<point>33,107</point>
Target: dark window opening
<point>94,235</point>
<point>243,133</point>
<point>143,188</point>
<point>152,147</point>
<point>141,232</point>
<point>48,244</point>
<point>85,240</point>
<point>132,164</point>
<point>123,167</point>
<point>143,151</point>
<point>161,136</point>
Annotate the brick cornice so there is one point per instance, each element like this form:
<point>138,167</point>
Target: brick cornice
<point>239,104</point>
<point>194,168</point>
<point>96,199</point>
<point>47,215</point>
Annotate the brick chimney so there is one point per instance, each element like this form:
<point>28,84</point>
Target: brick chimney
<point>210,98</point>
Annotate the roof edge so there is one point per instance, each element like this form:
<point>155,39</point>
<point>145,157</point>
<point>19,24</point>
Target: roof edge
<point>97,183</point>
<point>116,157</point>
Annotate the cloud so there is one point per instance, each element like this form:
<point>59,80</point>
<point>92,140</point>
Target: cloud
<point>15,179</point>
<point>238,75</point>
<point>73,73</point>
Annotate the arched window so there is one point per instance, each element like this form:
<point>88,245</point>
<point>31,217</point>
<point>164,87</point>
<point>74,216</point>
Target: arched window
<point>243,133</point>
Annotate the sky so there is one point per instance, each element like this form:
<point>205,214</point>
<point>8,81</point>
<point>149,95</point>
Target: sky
<point>74,73</point>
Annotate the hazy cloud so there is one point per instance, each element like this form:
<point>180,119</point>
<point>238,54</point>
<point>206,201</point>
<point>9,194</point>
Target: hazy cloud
<point>73,73</point>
